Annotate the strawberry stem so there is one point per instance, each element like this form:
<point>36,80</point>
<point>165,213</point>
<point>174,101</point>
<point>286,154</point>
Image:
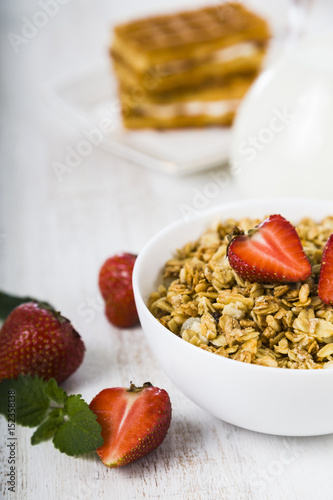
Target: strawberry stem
<point>235,232</point>
<point>133,387</point>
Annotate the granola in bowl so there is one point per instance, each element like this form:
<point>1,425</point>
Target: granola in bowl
<point>205,302</point>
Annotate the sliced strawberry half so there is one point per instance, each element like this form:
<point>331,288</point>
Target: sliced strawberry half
<point>134,422</point>
<point>325,285</point>
<point>271,252</point>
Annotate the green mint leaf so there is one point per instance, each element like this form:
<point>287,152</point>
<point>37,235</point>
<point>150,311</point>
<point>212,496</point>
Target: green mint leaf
<point>55,393</point>
<point>31,403</point>
<point>47,429</point>
<point>73,425</point>
<point>9,302</point>
<point>81,433</point>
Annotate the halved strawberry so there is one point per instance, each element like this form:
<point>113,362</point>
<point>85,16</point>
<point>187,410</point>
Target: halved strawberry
<point>325,285</point>
<point>134,422</point>
<point>271,252</point>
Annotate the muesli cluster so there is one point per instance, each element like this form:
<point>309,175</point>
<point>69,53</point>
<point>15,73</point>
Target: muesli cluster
<point>204,301</point>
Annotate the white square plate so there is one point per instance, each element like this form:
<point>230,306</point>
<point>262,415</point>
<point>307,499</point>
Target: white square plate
<point>87,98</point>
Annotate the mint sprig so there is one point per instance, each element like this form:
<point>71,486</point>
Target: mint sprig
<point>68,420</point>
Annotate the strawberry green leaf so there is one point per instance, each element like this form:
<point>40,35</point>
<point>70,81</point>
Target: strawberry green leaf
<point>9,302</point>
<point>28,396</point>
<point>47,429</point>
<point>55,393</point>
<point>81,433</point>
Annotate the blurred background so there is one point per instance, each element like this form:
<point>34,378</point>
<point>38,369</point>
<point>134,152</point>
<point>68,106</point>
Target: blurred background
<point>56,206</point>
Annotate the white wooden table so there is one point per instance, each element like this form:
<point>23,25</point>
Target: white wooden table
<point>53,239</point>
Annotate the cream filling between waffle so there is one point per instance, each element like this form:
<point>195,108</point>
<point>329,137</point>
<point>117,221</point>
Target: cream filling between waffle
<point>192,108</point>
<point>234,52</point>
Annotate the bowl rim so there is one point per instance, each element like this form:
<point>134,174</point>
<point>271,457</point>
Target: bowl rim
<point>204,214</point>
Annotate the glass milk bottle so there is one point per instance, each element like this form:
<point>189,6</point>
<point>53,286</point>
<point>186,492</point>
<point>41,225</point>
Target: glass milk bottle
<point>283,133</point>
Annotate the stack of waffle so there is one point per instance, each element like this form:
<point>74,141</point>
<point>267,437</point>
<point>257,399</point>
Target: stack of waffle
<point>187,69</point>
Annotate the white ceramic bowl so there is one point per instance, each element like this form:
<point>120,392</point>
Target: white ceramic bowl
<point>270,400</point>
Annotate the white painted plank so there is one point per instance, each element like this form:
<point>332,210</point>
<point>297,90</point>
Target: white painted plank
<point>56,236</point>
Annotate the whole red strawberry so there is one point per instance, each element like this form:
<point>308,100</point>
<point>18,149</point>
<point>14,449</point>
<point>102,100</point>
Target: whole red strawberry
<point>134,422</point>
<point>37,340</point>
<point>115,283</point>
<point>325,285</point>
<point>270,252</point>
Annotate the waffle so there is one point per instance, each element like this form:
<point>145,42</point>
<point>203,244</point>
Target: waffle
<point>158,80</point>
<point>213,105</point>
<point>164,57</point>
